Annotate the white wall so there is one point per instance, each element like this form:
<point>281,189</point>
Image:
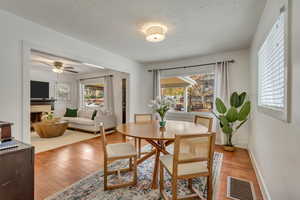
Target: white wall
<point>38,74</point>
<point>14,30</point>
<point>239,79</point>
<point>273,143</point>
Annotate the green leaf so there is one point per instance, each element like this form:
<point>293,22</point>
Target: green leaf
<point>224,121</point>
<point>244,112</point>
<point>221,108</point>
<point>242,97</point>
<point>234,100</point>
<point>232,114</point>
<point>227,130</point>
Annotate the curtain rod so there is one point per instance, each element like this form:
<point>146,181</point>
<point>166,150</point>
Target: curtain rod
<point>190,66</point>
<point>96,77</point>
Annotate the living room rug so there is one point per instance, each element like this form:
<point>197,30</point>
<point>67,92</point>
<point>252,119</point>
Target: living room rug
<point>91,187</point>
<point>69,137</point>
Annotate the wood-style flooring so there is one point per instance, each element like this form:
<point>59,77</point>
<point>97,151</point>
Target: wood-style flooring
<point>61,167</point>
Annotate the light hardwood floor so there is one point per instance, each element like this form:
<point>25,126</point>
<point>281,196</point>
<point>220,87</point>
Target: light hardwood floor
<point>59,168</point>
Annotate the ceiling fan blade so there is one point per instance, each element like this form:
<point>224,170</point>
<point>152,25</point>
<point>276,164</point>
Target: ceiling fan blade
<point>42,62</point>
<point>70,71</point>
<point>68,67</point>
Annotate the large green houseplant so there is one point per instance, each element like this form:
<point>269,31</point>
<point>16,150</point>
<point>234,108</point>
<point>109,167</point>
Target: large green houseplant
<point>231,119</point>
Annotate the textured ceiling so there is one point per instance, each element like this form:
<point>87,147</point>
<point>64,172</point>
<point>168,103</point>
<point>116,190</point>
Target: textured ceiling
<point>196,27</point>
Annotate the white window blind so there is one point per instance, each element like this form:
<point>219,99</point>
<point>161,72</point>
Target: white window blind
<point>271,63</point>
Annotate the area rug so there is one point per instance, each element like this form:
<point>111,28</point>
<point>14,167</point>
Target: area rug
<point>69,137</point>
<point>91,187</point>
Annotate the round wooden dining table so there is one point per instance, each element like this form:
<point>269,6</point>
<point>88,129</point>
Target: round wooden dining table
<point>158,137</point>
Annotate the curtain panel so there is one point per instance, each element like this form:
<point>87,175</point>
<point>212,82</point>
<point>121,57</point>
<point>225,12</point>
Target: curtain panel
<point>222,90</point>
<point>156,83</point>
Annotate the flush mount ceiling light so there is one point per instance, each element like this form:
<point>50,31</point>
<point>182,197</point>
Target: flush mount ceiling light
<point>155,32</point>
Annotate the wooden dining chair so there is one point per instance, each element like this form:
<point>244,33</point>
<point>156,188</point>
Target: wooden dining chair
<point>118,151</point>
<point>190,160</point>
<point>205,121</point>
<point>141,118</point>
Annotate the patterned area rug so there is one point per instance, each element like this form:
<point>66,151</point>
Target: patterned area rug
<point>91,187</point>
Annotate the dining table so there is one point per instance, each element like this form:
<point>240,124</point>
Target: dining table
<point>158,137</point>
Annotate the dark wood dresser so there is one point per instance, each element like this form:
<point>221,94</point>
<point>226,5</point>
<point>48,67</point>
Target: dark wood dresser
<point>17,173</point>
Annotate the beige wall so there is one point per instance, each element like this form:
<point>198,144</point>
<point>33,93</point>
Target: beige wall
<point>274,143</point>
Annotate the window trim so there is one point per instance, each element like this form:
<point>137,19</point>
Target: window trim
<point>281,114</point>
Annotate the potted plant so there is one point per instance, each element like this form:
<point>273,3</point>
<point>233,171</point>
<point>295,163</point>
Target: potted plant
<point>231,119</point>
<point>161,105</point>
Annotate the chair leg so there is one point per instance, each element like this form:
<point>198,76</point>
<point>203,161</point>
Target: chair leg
<point>105,175</point>
<point>139,147</point>
<point>135,170</point>
<point>209,188</point>
<point>174,188</point>
<point>130,163</point>
<point>190,184</point>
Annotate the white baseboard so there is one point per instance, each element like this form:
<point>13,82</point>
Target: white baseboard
<point>261,182</point>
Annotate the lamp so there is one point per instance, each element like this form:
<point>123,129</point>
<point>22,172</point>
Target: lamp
<point>155,32</point>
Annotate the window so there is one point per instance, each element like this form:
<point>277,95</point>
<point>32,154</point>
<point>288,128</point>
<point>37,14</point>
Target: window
<point>93,95</point>
<point>272,70</point>
<point>194,93</point>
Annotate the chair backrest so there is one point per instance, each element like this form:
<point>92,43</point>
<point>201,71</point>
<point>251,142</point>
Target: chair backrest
<point>194,148</point>
<point>103,139</point>
<point>205,121</point>
<point>142,117</point>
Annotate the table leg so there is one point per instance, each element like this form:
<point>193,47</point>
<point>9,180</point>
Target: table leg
<point>155,171</point>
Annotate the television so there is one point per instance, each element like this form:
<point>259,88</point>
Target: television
<point>39,90</point>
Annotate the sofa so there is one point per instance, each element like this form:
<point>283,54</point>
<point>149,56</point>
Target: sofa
<point>84,120</point>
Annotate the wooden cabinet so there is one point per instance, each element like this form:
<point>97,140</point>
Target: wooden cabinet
<point>17,173</point>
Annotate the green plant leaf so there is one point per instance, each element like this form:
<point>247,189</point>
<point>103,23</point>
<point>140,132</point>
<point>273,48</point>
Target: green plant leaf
<point>234,100</point>
<point>224,120</point>
<point>221,108</point>
<point>244,112</point>
<point>232,114</point>
<point>242,98</point>
<point>227,130</point>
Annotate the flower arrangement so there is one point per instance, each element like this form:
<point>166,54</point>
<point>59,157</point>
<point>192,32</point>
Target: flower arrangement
<point>161,105</point>
<point>47,116</point>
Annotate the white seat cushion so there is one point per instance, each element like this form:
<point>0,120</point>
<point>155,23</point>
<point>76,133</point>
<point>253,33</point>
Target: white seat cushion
<point>120,150</point>
<point>186,168</point>
<point>78,120</point>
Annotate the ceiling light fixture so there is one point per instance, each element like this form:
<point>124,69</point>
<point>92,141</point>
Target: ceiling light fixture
<point>155,32</point>
<point>92,65</point>
<point>57,70</point>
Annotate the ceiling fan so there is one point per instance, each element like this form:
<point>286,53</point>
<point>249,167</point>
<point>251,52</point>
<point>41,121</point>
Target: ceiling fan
<point>57,66</point>
<point>60,67</point>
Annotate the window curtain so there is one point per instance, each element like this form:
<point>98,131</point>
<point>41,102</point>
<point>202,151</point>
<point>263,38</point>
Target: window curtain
<point>80,89</point>
<point>108,94</point>
<point>222,91</point>
<point>156,83</point>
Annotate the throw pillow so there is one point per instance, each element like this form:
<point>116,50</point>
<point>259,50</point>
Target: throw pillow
<point>94,114</point>
<point>71,112</point>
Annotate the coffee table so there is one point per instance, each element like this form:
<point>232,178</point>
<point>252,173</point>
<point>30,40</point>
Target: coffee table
<point>50,129</point>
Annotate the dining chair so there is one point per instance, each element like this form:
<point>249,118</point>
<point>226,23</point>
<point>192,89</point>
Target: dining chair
<point>118,151</point>
<point>205,121</point>
<point>190,160</point>
<point>141,118</point>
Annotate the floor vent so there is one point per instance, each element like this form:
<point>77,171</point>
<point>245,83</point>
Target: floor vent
<point>240,189</point>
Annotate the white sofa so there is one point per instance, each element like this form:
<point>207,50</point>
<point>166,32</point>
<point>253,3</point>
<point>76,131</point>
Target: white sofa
<point>84,121</point>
